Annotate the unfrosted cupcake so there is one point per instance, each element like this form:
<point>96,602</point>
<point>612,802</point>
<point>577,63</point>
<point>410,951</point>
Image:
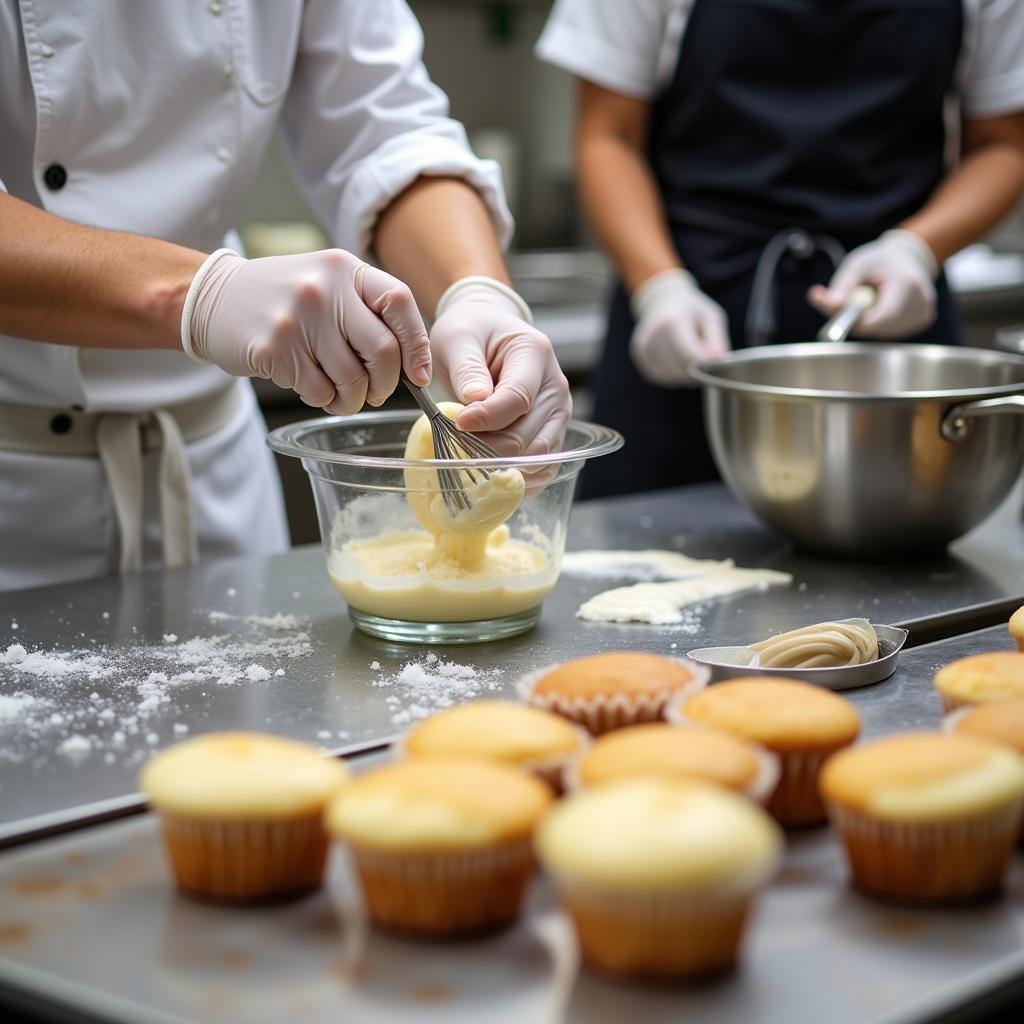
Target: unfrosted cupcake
<point>442,845</point>
<point>1017,628</point>
<point>676,752</point>
<point>609,691</point>
<point>658,875</point>
<point>981,678</point>
<point>926,817</point>
<point>998,721</point>
<point>523,737</point>
<point>801,724</point>
<point>242,813</point>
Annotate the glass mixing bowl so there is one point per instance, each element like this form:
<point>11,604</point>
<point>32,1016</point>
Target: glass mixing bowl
<point>404,583</point>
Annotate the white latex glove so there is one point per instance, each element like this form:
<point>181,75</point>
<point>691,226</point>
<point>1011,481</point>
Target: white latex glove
<point>901,266</point>
<point>677,326</point>
<point>493,360</point>
<point>325,324</point>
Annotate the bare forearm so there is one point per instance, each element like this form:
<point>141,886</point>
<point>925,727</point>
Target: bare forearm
<point>437,231</point>
<point>64,283</point>
<point>982,190</point>
<point>622,202</point>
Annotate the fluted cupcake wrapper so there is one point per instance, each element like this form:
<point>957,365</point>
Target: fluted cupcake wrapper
<point>795,800</point>
<point>444,892</point>
<point>658,934</point>
<point>928,862</point>
<point>245,860</point>
<point>602,714</point>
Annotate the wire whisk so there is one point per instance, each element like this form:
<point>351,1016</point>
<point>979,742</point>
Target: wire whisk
<point>452,443</point>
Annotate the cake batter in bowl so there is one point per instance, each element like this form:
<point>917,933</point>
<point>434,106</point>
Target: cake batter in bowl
<point>408,568</point>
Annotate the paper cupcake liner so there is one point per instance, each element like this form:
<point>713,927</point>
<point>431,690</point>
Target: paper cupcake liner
<point>928,862</point>
<point>759,789</point>
<point>950,704</point>
<point>245,860</point>
<point>949,725</point>
<point>1019,641</point>
<point>444,893</point>
<point>599,715</point>
<point>657,934</point>
<point>550,770</point>
<point>795,801</point>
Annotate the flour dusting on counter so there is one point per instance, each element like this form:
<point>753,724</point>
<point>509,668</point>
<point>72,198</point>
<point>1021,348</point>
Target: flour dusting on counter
<point>421,687</point>
<point>52,699</point>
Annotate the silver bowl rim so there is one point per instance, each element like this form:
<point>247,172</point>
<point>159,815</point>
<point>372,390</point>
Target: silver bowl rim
<point>704,373</point>
<point>288,440</point>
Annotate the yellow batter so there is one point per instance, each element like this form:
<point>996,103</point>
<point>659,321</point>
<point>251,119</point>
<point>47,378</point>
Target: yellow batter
<point>461,567</point>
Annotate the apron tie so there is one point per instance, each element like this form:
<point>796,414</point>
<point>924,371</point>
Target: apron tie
<point>762,311</point>
<point>121,439</point>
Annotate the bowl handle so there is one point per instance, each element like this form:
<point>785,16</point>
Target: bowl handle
<point>956,423</point>
<point>861,299</point>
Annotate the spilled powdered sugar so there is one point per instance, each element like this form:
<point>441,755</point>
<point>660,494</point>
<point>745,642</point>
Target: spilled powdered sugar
<point>422,687</point>
<point>52,699</point>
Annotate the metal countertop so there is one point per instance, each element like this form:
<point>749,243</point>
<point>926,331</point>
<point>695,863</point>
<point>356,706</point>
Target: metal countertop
<point>330,689</point>
<point>816,951</point>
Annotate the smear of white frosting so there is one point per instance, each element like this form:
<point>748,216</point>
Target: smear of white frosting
<point>662,603</point>
<point>647,564</point>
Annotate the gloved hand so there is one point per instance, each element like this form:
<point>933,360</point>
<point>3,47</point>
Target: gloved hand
<point>901,266</point>
<point>677,326</point>
<point>325,324</point>
<point>493,360</point>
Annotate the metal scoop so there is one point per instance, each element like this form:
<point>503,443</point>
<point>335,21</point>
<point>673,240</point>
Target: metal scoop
<point>451,443</point>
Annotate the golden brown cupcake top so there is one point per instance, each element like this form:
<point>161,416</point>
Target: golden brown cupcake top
<point>1017,624</point>
<point>494,729</point>
<point>782,714</point>
<point>629,673</point>
<point>241,775</point>
<point>437,804</point>
<point>670,751</point>
<point>1001,721</point>
<point>925,776</point>
<point>983,677</point>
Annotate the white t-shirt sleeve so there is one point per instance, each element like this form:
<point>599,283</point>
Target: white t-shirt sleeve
<point>362,120</point>
<point>994,82</point>
<point>616,44</point>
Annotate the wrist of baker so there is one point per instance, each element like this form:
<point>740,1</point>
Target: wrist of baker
<point>674,282</point>
<point>205,280</point>
<point>481,288</point>
<point>915,246</point>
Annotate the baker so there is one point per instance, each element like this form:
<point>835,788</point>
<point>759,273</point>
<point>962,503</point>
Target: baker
<point>748,163</point>
<point>129,134</point>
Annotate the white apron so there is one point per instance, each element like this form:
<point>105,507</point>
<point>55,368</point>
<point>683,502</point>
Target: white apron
<point>60,520</point>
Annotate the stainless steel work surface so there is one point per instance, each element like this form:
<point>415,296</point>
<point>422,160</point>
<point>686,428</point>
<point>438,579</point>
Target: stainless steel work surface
<point>71,746</point>
<point>91,920</point>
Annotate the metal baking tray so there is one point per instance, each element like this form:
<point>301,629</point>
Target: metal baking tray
<point>734,663</point>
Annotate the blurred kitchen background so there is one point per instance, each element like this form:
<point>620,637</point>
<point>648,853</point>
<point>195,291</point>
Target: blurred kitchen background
<point>519,112</point>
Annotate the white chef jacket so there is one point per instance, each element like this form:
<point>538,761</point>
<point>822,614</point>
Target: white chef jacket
<point>633,48</point>
<point>159,114</point>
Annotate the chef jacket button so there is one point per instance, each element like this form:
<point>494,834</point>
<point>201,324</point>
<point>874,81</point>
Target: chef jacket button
<point>223,154</point>
<point>45,51</point>
<point>216,7</point>
<point>77,408</point>
<point>56,177</point>
<point>61,423</point>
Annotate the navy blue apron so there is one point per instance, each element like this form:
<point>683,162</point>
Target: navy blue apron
<point>791,132</point>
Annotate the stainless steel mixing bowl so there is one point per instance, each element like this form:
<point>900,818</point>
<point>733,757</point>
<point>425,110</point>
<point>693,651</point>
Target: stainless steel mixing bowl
<point>876,449</point>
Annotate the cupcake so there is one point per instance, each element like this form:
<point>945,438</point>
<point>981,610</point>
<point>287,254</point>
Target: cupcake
<point>609,691</point>
<point>1017,628</point>
<point>981,678</point>
<point>927,817</point>
<point>670,751</point>
<point>523,737</point>
<point>442,846</point>
<point>998,721</point>
<point>658,875</point>
<point>801,724</point>
<point>242,813</point>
